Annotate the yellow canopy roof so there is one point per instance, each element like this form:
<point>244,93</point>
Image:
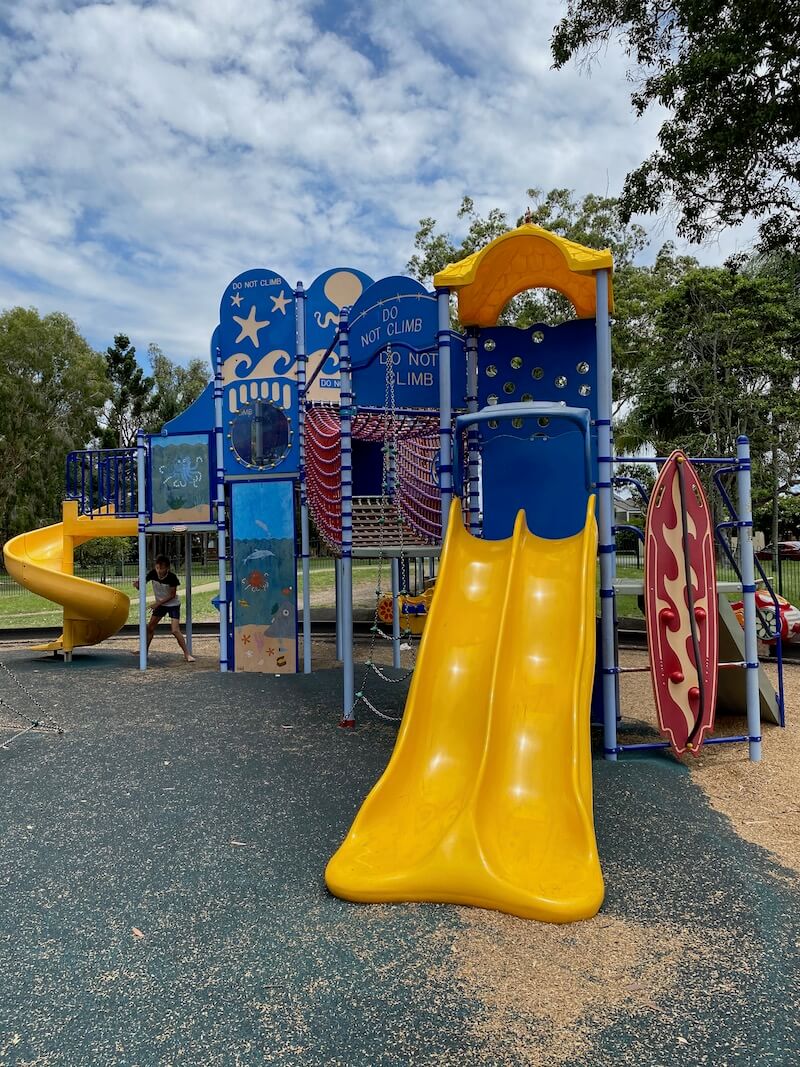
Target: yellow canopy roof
<point>526,258</point>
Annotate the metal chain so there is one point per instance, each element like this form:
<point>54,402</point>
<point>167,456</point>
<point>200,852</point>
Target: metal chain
<point>44,722</point>
<point>389,477</point>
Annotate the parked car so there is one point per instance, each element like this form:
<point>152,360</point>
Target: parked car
<point>786,550</point>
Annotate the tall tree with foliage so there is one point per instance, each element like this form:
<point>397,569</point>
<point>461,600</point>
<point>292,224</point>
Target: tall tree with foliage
<point>594,221</point>
<point>728,74</point>
<point>130,395</point>
<point>53,388</point>
<point>722,361</point>
<point>175,387</point>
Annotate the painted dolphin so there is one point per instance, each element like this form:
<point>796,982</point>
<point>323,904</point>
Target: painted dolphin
<point>262,553</point>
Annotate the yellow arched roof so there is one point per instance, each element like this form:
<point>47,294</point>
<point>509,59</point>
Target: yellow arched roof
<point>526,258</point>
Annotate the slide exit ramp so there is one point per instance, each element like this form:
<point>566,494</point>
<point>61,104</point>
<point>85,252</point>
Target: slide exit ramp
<point>487,798</point>
<point>42,562</point>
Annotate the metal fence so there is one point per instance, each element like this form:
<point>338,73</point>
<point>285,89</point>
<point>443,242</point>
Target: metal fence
<point>123,574</point>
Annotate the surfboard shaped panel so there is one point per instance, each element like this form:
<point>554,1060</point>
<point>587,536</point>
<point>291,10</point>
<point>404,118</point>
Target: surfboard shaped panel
<point>680,592</point>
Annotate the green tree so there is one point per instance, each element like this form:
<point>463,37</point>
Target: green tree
<point>175,387</point>
<point>52,390</point>
<point>130,395</point>
<point>722,361</point>
<point>727,72</point>
<point>593,221</point>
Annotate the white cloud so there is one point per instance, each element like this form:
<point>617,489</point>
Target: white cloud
<point>151,151</point>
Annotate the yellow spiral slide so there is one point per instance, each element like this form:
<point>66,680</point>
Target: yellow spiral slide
<point>42,561</point>
<point>487,798</point>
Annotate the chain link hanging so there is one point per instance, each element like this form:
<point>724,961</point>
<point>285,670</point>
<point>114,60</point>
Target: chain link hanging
<point>45,721</point>
<point>389,476</point>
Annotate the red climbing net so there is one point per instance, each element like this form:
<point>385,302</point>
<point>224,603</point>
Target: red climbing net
<point>417,491</point>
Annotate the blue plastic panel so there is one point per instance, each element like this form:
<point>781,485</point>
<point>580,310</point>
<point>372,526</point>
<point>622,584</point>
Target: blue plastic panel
<point>180,479</point>
<point>257,342</point>
<point>264,594</point>
<point>199,416</point>
<point>539,468</point>
<point>326,296</point>
<point>401,314</point>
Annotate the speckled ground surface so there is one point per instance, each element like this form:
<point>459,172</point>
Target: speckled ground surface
<point>162,902</point>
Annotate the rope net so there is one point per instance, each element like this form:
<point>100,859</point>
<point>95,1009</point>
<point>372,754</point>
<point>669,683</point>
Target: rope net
<point>415,504</point>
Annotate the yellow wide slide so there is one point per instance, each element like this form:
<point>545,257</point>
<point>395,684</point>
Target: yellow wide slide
<point>487,798</point>
<point>42,561</point>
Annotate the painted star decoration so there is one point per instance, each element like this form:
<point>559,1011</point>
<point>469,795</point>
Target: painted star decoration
<point>250,326</point>
<point>279,302</point>
<point>237,299</point>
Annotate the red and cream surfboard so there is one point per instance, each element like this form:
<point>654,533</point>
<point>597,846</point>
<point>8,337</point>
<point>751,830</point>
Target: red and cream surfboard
<point>680,593</point>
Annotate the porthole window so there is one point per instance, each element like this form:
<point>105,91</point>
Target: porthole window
<point>489,346</point>
<point>517,424</point>
<point>492,424</point>
<point>582,368</point>
<point>544,421</point>
<point>537,373</point>
<point>261,435</point>
<point>584,390</point>
<point>509,388</point>
<point>537,337</point>
<point>560,382</point>
<point>491,399</point>
<point>516,362</point>
<point>527,398</point>
<point>491,371</point>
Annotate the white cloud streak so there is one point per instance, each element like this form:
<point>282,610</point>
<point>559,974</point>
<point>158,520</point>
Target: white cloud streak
<point>152,151</point>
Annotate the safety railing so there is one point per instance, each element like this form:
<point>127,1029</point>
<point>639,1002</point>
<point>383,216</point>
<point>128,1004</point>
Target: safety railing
<point>103,481</point>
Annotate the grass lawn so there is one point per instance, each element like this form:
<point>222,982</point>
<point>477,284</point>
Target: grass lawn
<point>21,608</point>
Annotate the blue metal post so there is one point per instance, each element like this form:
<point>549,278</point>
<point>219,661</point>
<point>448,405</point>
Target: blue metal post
<point>346,574</point>
<point>302,360</point>
<point>221,538</point>
<point>445,413</point>
<point>473,455</point>
<point>141,491</point>
<point>188,578</point>
<point>605,517</point>
<point>747,567</point>
<point>395,611</point>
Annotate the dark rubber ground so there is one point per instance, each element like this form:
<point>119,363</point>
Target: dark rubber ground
<point>200,809</point>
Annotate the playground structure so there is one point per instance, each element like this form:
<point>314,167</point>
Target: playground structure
<point>358,400</point>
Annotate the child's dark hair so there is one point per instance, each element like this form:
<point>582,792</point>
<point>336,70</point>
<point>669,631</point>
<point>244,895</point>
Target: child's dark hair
<point>163,560</point>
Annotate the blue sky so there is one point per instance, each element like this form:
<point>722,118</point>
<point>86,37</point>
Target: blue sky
<point>151,151</point>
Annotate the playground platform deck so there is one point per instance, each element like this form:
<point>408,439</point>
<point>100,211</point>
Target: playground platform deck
<point>162,899</point>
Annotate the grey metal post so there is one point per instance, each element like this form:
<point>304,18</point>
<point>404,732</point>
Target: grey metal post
<point>302,360</point>
<point>473,456</point>
<point>187,552</point>
<point>747,567</point>
<point>141,503</point>
<point>395,611</point>
<point>346,584</point>
<point>605,517</point>
<point>221,538</point>
<point>337,578</point>
<point>445,412</point>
